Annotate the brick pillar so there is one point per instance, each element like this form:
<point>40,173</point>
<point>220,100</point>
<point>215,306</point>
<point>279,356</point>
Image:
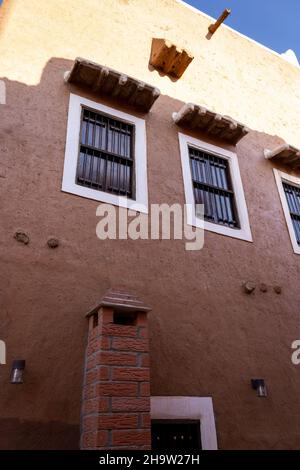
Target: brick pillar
<point>116,393</point>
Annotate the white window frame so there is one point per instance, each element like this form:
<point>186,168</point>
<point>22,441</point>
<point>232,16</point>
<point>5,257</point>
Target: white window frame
<point>244,232</point>
<point>2,92</point>
<point>189,408</point>
<point>140,203</point>
<point>280,176</point>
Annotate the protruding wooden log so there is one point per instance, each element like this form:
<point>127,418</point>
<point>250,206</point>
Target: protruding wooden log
<point>213,27</point>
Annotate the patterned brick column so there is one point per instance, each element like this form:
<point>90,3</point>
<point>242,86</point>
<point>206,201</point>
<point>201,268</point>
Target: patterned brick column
<point>116,393</point>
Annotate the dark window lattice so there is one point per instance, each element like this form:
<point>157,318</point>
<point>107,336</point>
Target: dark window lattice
<point>106,155</point>
<point>292,194</point>
<point>212,187</point>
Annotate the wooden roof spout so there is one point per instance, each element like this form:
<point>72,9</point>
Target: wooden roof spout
<point>213,27</point>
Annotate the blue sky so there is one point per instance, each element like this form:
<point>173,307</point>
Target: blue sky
<point>273,23</point>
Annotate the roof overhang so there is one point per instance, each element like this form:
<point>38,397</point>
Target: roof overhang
<point>286,154</point>
<point>105,81</point>
<point>200,118</point>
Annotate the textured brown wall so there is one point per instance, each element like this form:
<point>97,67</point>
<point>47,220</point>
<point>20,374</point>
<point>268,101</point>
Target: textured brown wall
<point>207,337</point>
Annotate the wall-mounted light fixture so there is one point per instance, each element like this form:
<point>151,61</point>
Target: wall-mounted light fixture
<point>260,386</point>
<point>17,370</point>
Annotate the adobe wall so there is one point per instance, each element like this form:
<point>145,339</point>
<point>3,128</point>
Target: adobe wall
<point>207,338</point>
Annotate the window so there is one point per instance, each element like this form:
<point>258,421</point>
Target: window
<point>293,199</point>
<point>212,187</point>
<point>188,419</point>
<point>289,192</point>
<point>105,156</point>
<point>211,177</point>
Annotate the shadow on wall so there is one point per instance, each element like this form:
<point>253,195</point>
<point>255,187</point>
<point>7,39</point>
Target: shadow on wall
<point>42,413</point>
<point>45,412</point>
<point>42,304</point>
<point>19,434</point>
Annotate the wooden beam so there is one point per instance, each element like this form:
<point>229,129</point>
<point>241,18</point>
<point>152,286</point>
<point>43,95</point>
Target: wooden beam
<point>213,27</point>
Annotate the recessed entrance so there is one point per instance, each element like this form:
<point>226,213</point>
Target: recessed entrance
<point>188,416</point>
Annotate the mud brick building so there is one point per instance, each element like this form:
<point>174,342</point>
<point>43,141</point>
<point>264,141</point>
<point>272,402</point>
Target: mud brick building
<point>139,343</point>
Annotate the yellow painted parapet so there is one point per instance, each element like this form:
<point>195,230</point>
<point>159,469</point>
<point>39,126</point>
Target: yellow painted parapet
<point>230,74</point>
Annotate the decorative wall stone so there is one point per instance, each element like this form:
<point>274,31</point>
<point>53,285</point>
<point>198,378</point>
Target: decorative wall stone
<point>22,237</point>
<point>249,287</point>
<point>53,242</point>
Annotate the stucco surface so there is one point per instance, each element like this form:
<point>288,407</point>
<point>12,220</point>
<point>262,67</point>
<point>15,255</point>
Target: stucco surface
<point>207,337</point>
<point>229,74</point>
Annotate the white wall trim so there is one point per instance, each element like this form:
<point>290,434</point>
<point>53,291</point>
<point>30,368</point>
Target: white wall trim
<point>189,408</point>
<point>72,149</point>
<point>2,92</point>
<point>280,176</point>
<point>244,232</point>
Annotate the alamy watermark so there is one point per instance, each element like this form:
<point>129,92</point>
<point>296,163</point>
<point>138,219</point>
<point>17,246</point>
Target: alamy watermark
<point>163,222</point>
<point>296,354</point>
